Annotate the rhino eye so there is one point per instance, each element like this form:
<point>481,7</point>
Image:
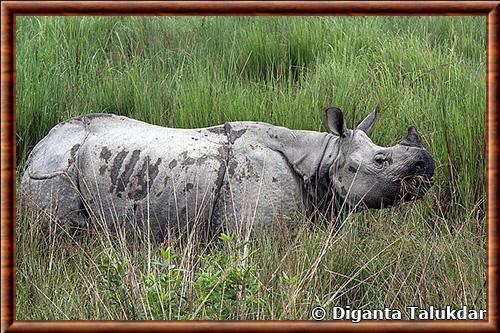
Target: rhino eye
<point>380,160</point>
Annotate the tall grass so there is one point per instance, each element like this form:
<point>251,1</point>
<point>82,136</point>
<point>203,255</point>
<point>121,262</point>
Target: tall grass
<point>201,71</point>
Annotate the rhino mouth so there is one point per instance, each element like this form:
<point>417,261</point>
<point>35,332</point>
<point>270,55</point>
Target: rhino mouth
<point>409,188</point>
<point>414,187</point>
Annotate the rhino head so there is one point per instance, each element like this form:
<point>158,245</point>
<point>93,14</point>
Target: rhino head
<point>371,176</point>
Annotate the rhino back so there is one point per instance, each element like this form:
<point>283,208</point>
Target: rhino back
<point>130,170</point>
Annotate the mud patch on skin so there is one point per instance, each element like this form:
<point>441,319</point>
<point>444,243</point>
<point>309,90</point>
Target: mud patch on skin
<point>343,191</point>
<point>272,136</point>
<point>220,174</point>
<point>222,153</point>
<point>222,157</point>
<point>165,181</point>
<point>200,161</point>
<point>115,169</point>
<point>274,180</point>
<point>232,166</point>
<point>249,172</point>
<point>189,186</point>
<point>188,161</point>
<point>127,173</point>
<point>217,130</point>
<point>74,149</point>
<point>172,164</point>
<point>235,135</point>
<point>144,179</point>
<point>72,153</point>
<point>105,154</point>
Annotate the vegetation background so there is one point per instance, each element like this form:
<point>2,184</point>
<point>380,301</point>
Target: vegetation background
<point>201,71</point>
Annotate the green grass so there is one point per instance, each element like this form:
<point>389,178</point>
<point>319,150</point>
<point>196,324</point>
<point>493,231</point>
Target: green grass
<point>196,72</point>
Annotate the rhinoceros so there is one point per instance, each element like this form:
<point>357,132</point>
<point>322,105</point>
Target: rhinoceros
<point>121,170</point>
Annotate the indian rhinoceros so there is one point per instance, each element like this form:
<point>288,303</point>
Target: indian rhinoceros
<point>238,174</point>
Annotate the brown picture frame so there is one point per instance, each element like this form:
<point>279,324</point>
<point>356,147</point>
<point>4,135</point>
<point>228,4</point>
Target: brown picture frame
<point>11,9</point>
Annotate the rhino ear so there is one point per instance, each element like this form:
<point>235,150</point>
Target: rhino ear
<point>334,119</point>
<point>367,124</point>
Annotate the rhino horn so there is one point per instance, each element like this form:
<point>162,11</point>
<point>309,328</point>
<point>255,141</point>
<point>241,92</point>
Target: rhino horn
<point>367,124</point>
<point>412,138</point>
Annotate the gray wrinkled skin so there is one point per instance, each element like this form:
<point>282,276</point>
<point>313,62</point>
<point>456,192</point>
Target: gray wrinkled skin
<point>236,175</point>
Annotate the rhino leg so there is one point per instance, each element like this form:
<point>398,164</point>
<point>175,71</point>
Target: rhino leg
<point>49,186</point>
